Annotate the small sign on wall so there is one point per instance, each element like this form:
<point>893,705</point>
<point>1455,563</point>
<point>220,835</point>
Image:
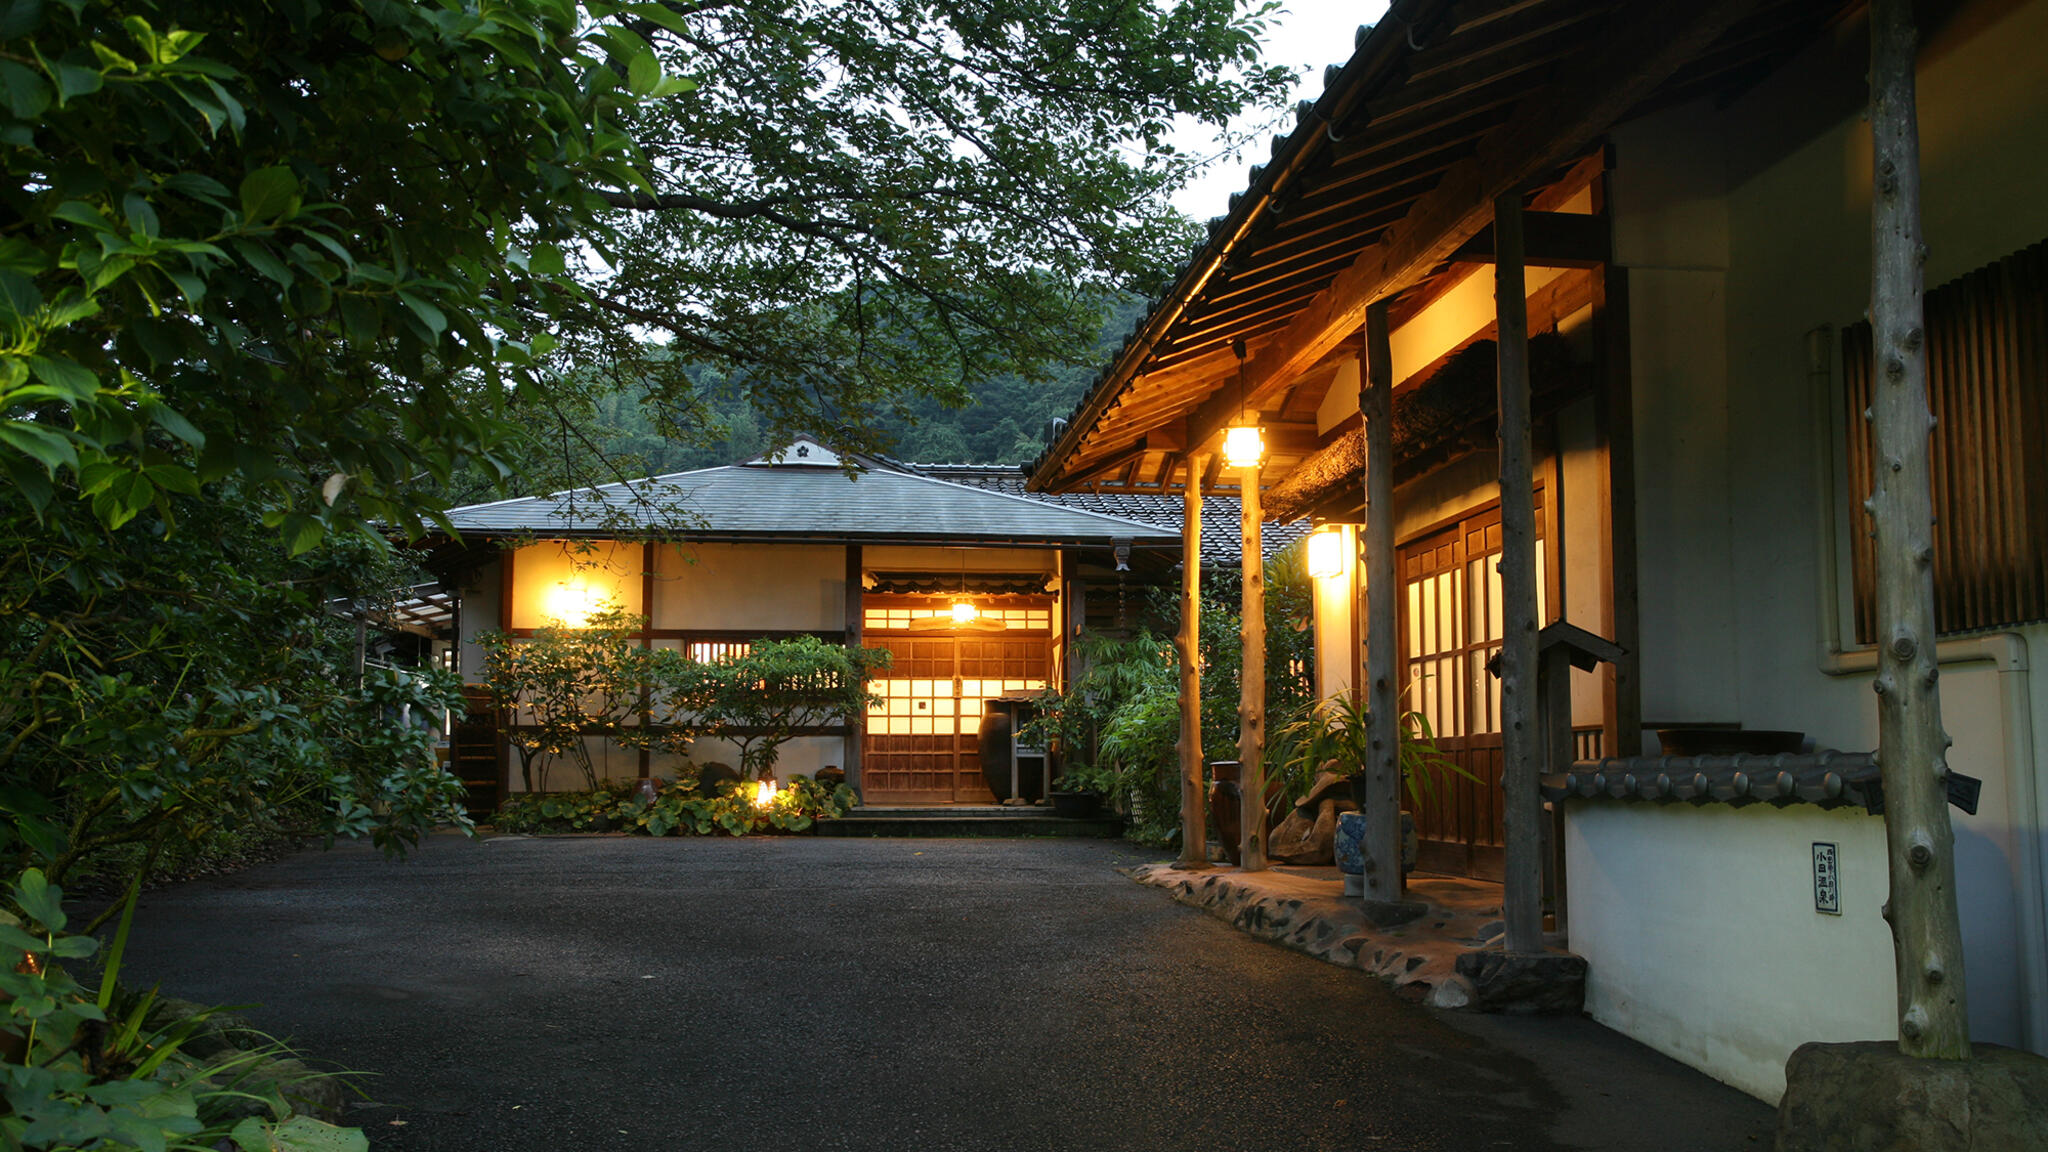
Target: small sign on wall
<point>1827,880</point>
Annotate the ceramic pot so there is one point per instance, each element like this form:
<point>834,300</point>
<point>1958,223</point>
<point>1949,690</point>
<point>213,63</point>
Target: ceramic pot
<point>1350,832</point>
<point>1076,805</point>
<point>1226,808</point>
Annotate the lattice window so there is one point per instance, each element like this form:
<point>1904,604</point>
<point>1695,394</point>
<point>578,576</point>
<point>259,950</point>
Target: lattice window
<point>1987,383</point>
<point>1012,619</point>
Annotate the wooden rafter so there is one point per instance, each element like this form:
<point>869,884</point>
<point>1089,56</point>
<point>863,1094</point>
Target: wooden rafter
<point>1642,46</point>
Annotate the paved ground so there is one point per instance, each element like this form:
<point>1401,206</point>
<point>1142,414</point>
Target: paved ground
<point>569,994</point>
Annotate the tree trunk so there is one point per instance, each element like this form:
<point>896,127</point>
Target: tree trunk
<point>1912,747</point>
<point>1251,685</point>
<point>1382,846</point>
<point>1521,743</point>
<point>1194,811</point>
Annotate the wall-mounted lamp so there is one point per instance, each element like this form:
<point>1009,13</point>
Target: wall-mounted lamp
<point>574,602</point>
<point>1326,554</point>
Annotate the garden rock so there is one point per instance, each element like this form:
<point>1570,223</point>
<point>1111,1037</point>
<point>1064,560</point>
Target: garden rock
<point>830,776</point>
<point>1302,839</point>
<point>713,776</point>
<point>1869,1097</point>
<point>1526,984</point>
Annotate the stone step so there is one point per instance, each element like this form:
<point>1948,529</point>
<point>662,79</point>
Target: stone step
<point>916,823</point>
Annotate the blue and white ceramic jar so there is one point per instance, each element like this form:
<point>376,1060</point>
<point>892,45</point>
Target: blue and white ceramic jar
<point>1350,834</point>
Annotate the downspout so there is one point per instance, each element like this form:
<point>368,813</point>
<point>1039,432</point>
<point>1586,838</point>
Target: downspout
<point>2006,652</point>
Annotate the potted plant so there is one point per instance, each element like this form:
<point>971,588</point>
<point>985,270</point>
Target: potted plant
<point>1077,793</point>
<point>1336,736</point>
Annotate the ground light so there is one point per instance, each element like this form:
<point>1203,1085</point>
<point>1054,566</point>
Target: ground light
<point>764,792</point>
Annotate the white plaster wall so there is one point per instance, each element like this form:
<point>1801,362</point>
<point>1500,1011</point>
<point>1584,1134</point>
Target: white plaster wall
<point>479,614</point>
<point>742,586</point>
<point>1334,600</point>
<point>1702,941</point>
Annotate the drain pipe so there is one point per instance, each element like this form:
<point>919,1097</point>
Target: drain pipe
<point>2006,652</point>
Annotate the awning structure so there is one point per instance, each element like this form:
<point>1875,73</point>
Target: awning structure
<point>1383,192</point>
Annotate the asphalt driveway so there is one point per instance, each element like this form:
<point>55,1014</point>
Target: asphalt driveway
<point>772,993</point>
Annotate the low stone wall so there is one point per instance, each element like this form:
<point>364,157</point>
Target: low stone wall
<point>1304,909</point>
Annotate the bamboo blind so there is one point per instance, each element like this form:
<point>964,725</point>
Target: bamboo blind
<point>1987,382</point>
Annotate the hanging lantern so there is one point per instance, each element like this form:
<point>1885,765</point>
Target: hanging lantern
<point>1326,554</point>
<point>1243,446</point>
<point>964,612</point>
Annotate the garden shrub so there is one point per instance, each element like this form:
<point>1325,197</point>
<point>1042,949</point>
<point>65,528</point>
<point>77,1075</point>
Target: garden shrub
<point>677,809</point>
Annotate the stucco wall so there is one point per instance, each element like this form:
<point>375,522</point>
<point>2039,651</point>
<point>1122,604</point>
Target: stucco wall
<point>738,586</point>
<point>1701,937</point>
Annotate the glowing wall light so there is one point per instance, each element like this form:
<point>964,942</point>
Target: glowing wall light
<point>1326,554</point>
<point>574,602</point>
<point>1244,446</point>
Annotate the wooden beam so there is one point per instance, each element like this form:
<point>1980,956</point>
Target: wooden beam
<point>1521,743</point>
<point>1912,747</point>
<point>1382,846</point>
<point>1555,240</point>
<point>1623,735</point>
<point>1643,45</point>
<point>1251,685</point>
<point>1194,812</point>
<point>856,623</point>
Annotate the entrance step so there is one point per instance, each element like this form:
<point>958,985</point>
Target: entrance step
<point>961,820</point>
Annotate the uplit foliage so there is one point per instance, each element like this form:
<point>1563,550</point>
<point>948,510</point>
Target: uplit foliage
<point>1118,724</point>
<point>763,698</point>
<point>679,808</point>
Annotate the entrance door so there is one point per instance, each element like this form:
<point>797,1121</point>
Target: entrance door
<point>1450,626</point>
<point>922,740</point>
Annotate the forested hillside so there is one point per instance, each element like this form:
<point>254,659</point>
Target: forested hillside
<point>1004,424</point>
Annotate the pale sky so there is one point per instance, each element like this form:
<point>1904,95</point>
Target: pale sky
<point>1311,33</point>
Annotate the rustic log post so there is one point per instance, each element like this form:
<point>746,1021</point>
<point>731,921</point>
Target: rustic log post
<point>1382,846</point>
<point>1194,811</point>
<point>856,624</point>
<point>1521,743</point>
<point>1251,685</point>
<point>1927,936</point>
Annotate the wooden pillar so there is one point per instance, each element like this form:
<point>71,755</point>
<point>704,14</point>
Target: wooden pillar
<point>1194,809</point>
<point>1521,743</point>
<point>1251,686</point>
<point>1623,679</point>
<point>1912,748</point>
<point>1382,846</point>
<point>857,725</point>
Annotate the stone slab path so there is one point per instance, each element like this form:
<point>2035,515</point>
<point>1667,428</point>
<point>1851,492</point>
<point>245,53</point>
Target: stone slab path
<point>772,993</point>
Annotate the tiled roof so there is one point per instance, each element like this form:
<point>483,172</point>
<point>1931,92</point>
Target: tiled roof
<point>1221,542</point>
<point>812,502</point>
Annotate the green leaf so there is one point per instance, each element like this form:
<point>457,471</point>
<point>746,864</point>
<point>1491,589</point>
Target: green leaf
<point>64,376</point>
<point>20,17</point>
<point>34,895</point>
<point>263,260</point>
<point>300,1134</point>
<point>269,194</point>
<point>79,212</point>
<point>141,217</point>
<point>170,421</point>
<point>547,261</point>
<point>432,317</point>
<point>75,81</point>
<point>301,533</point>
<point>48,447</point>
<point>643,73</point>
<point>24,92</point>
<point>19,298</point>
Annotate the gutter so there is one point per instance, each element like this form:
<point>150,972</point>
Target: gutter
<point>2006,652</point>
<point>1376,48</point>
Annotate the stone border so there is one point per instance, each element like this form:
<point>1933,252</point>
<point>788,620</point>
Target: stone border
<point>1302,909</point>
